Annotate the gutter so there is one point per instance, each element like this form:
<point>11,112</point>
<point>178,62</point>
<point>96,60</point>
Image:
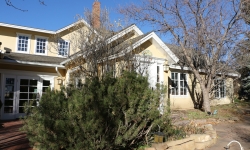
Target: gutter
<point>29,63</point>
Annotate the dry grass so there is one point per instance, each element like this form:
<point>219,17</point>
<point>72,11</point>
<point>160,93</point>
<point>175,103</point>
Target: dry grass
<point>223,111</point>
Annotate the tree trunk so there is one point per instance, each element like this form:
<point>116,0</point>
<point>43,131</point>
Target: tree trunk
<point>206,101</point>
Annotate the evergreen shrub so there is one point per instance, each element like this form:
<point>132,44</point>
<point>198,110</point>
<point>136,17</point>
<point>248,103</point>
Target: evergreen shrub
<point>112,113</point>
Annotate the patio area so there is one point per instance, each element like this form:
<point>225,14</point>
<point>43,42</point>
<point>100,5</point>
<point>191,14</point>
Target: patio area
<point>11,138</point>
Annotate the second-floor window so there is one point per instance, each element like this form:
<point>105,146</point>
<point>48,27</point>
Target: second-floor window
<point>179,83</point>
<point>41,45</point>
<point>63,48</point>
<point>23,43</point>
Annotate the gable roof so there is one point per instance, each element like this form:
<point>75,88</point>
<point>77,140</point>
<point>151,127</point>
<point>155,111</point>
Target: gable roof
<point>152,35</point>
<point>43,30</point>
<point>131,44</point>
<point>32,59</point>
<point>124,31</point>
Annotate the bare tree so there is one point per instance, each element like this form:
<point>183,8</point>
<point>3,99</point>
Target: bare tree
<point>206,32</point>
<point>246,10</point>
<point>9,3</point>
<point>100,51</point>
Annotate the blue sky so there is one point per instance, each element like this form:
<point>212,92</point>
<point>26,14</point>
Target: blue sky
<point>56,14</point>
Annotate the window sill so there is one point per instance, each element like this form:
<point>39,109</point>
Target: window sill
<point>185,96</point>
<point>23,52</point>
<point>41,54</point>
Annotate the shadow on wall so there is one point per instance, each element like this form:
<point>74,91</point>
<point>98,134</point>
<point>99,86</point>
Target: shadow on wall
<point>195,96</point>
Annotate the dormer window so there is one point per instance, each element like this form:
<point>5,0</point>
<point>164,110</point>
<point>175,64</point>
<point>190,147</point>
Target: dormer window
<point>23,43</point>
<point>63,49</point>
<point>41,45</point>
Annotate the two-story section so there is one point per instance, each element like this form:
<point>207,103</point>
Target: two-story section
<point>30,63</point>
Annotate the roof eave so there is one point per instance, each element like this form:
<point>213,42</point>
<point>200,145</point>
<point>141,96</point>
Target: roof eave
<point>31,63</point>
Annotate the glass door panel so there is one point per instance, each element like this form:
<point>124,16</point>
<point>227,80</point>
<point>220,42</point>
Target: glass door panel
<point>46,85</point>
<point>9,95</point>
<point>28,93</point>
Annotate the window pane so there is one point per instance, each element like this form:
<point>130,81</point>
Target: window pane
<point>22,43</point>
<point>33,82</point>
<point>32,95</point>
<point>8,95</point>
<point>21,109</point>
<point>41,45</point>
<point>10,80</point>
<point>24,88</point>
<point>23,95</point>
<point>63,48</point>
<point>185,91</point>
<point>8,103</point>
<point>8,109</point>
<point>24,82</point>
<point>33,89</point>
<point>22,102</point>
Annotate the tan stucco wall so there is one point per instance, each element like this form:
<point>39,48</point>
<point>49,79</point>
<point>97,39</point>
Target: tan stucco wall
<point>229,94</point>
<point>179,101</point>
<point>56,85</point>
<point>194,92</point>
<point>8,37</point>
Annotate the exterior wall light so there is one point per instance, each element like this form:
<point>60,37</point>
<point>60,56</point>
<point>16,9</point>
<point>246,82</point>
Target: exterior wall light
<point>59,81</point>
<point>166,66</point>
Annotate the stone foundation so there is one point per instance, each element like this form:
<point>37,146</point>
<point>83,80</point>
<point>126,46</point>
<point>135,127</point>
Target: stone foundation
<point>193,142</point>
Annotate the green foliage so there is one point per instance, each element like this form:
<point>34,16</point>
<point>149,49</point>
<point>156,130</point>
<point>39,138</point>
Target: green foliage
<point>245,70</point>
<point>114,113</point>
<point>246,83</point>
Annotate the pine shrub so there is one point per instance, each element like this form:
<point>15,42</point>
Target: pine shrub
<point>112,113</point>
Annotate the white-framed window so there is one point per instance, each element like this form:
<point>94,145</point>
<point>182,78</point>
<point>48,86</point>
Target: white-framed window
<point>63,48</point>
<point>41,45</point>
<point>23,43</point>
<point>219,88</point>
<point>158,74</point>
<point>179,83</point>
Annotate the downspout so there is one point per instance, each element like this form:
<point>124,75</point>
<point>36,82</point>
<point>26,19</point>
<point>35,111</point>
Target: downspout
<point>2,52</point>
<point>58,72</point>
<point>60,79</point>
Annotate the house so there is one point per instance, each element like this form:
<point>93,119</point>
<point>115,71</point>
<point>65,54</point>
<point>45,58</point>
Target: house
<point>29,65</point>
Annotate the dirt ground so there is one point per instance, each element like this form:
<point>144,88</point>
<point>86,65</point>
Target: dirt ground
<point>239,131</point>
<point>12,139</point>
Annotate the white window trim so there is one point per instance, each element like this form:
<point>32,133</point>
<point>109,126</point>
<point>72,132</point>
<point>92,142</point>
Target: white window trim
<point>28,48</point>
<point>59,48</point>
<point>225,94</point>
<point>46,45</point>
<point>179,85</point>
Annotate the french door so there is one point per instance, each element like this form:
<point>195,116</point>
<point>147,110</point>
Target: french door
<point>18,91</point>
<point>9,97</point>
<point>27,93</point>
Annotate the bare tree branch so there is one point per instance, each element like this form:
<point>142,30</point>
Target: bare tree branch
<point>205,31</point>
<point>9,3</point>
